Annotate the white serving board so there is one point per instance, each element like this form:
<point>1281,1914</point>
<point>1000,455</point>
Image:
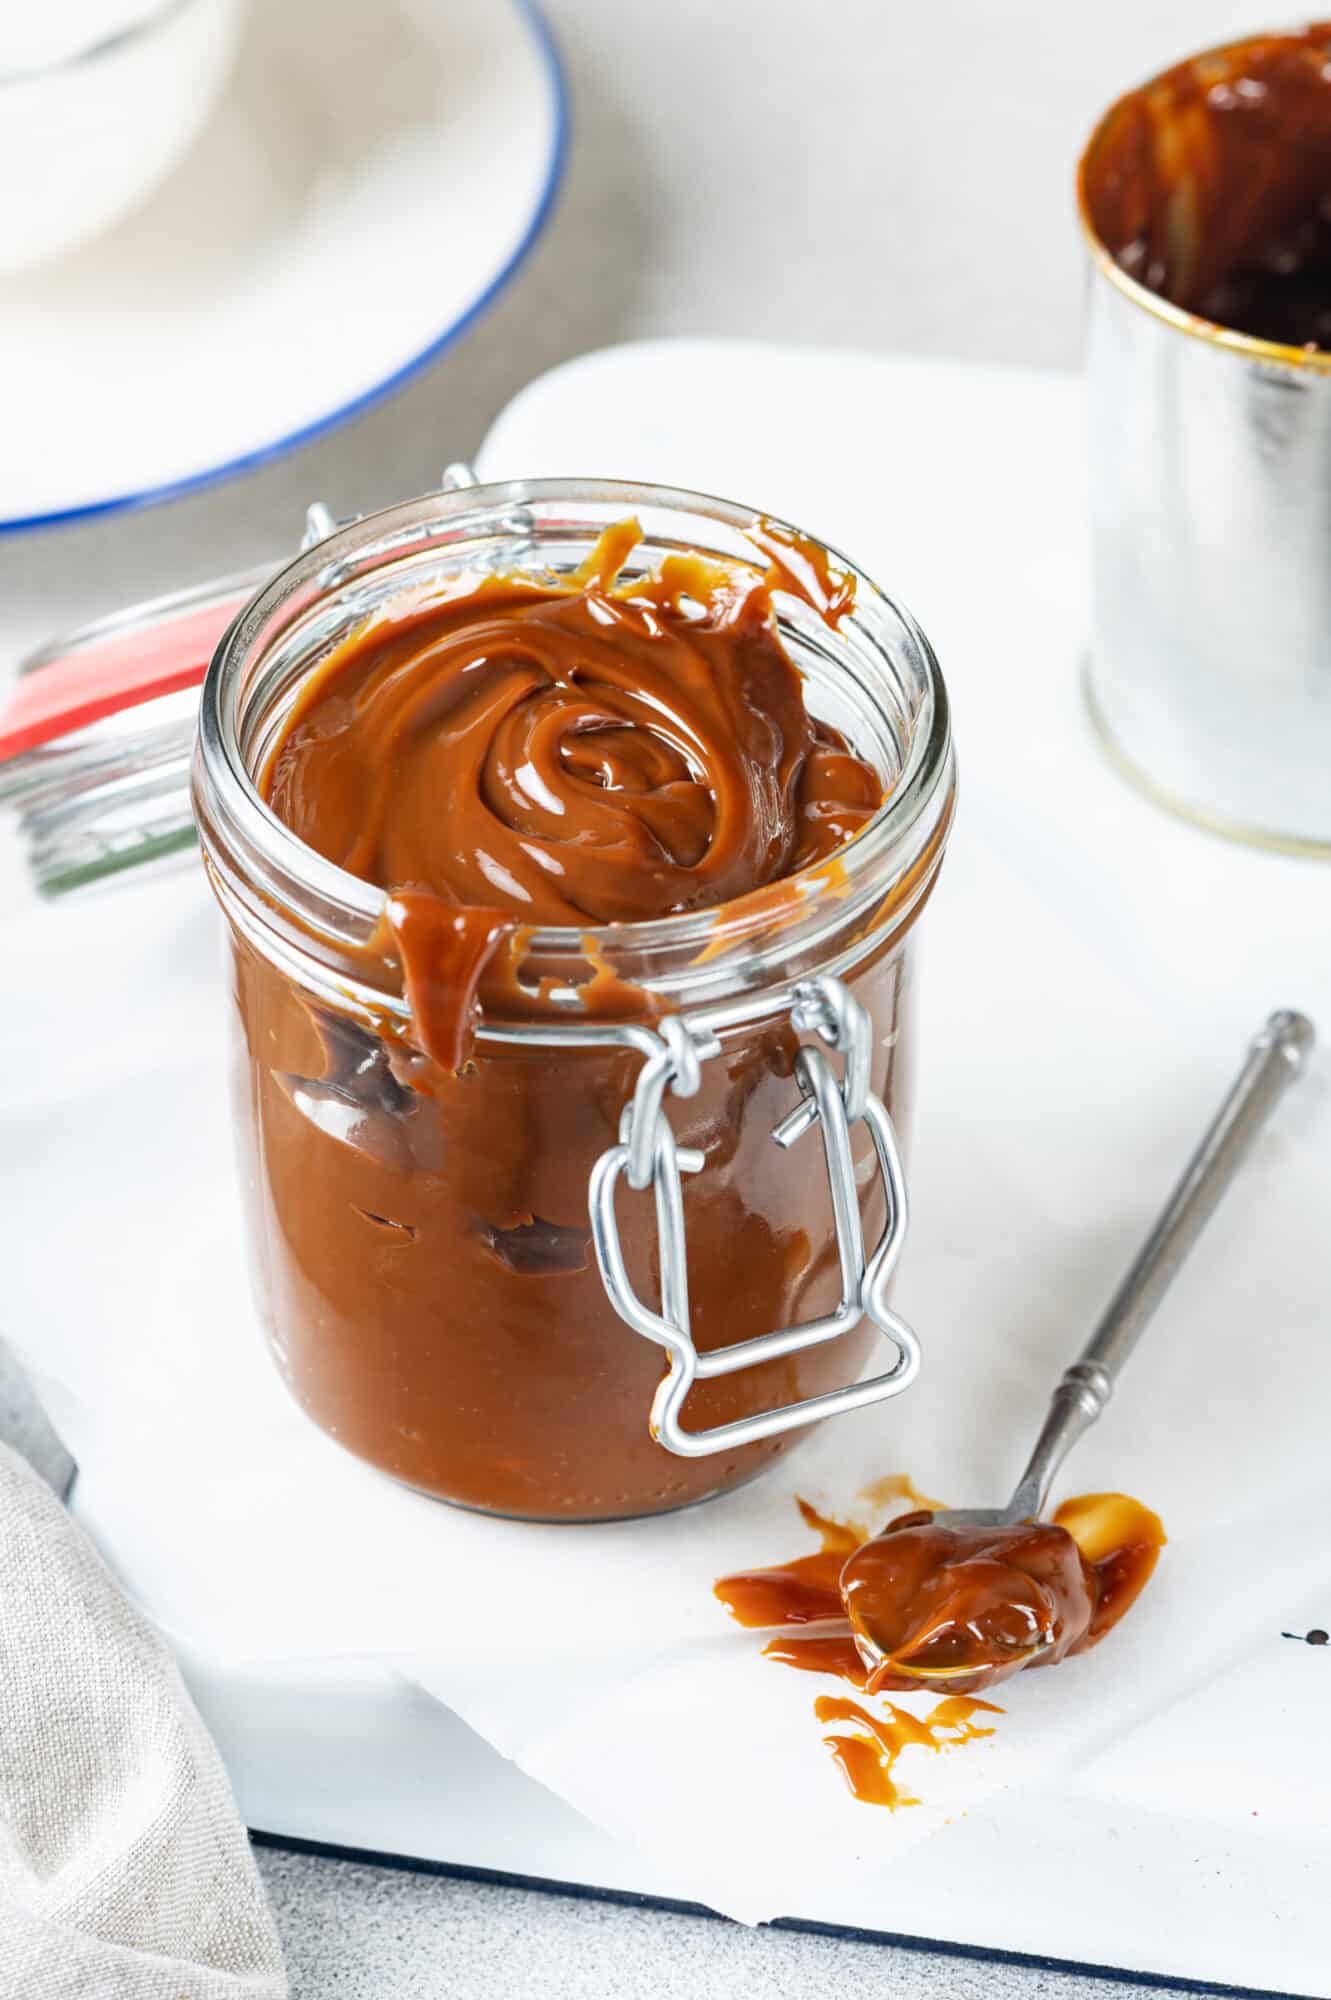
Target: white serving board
<point>960,490</point>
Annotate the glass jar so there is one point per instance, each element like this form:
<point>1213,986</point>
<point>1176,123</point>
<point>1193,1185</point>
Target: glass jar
<point>495,1285</point>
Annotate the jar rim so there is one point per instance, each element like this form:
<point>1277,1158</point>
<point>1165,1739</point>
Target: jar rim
<point>229,804</point>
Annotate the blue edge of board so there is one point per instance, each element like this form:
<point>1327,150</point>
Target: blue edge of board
<point>932,1947</point>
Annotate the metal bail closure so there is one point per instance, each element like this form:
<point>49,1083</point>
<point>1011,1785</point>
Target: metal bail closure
<point>648,1155</point>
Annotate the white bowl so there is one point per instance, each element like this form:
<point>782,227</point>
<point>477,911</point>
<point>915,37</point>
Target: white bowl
<point>83,138</point>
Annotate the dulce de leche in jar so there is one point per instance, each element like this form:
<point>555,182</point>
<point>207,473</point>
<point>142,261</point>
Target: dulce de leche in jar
<point>570,836</point>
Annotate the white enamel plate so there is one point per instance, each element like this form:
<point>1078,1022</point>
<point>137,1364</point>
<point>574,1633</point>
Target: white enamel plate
<point>371,177</point>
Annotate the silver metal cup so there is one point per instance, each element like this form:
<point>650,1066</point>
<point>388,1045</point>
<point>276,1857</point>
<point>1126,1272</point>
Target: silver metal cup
<point>1209,672</point>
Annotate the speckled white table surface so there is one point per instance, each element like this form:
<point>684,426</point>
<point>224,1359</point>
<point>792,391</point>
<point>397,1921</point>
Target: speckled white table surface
<point>354,1932</point>
<point>859,172</point>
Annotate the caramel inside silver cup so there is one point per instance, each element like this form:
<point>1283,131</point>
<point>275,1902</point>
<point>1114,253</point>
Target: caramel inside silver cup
<point>1211,186</point>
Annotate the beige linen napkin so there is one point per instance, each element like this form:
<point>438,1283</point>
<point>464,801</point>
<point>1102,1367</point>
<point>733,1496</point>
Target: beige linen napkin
<point>125,1873</point>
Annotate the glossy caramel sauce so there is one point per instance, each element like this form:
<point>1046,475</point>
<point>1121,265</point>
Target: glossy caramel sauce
<point>1071,1579</point>
<point>867,1755</point>
<point>1211,185</point>
<point>1120,1542</point>
<point>569,750</point>
<point>968,1605</point>
<point>801,1601</point>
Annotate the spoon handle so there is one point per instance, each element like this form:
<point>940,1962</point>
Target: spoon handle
<point>1275,1057</point>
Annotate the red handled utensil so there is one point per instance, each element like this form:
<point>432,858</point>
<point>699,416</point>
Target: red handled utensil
<point>97,732</point>
<point>110,667</point>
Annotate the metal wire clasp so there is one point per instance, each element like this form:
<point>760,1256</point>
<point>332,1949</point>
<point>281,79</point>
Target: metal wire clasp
<point>648,1156</point>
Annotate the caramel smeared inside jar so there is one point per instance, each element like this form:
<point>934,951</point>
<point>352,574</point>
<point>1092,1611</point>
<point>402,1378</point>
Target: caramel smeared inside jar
<point>1211,186</point>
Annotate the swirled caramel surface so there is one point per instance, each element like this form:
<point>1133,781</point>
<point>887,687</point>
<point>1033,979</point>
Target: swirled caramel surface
<point>569,751</point>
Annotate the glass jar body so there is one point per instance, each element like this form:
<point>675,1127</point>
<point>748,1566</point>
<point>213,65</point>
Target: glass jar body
<point>424,1248</point>
<point>425,1266</point>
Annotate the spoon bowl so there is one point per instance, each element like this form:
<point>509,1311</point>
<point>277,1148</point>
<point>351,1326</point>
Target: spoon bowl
<point>942,1600</point>
<point>881,1665</point>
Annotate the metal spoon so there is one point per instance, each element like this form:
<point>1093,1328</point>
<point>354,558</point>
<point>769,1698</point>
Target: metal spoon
<point>1275,1057</point>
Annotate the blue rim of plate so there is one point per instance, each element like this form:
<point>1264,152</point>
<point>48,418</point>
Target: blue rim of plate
<point>150,496</point>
